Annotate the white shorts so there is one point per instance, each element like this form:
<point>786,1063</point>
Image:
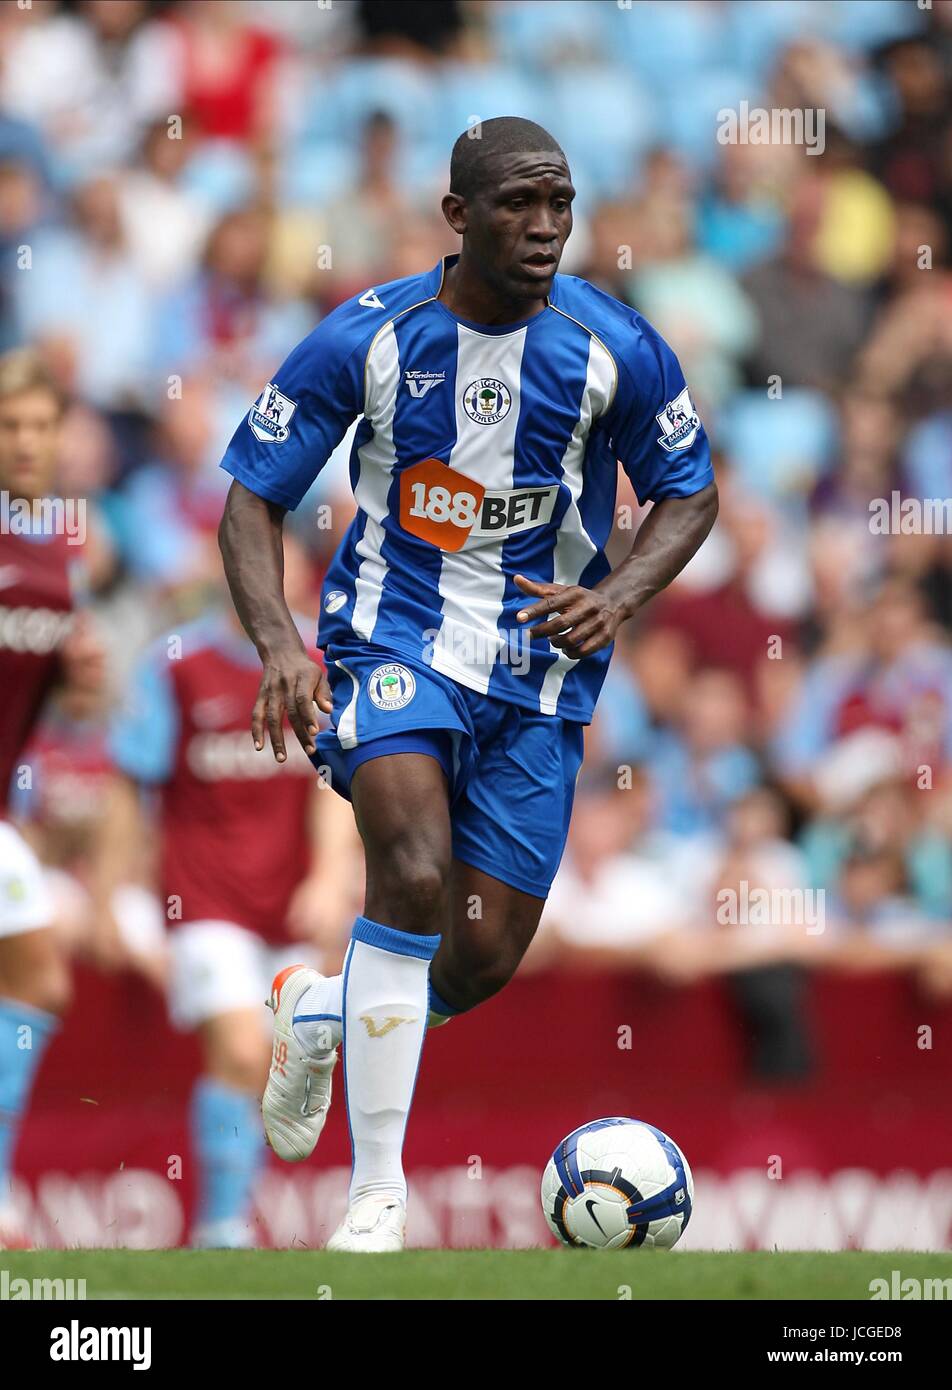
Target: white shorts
<point>217,967</point>
<point>25,902</point>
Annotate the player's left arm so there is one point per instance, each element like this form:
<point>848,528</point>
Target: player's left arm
<point>669,464</point>
<point>588,619</point>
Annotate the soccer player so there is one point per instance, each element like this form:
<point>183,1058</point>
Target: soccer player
<point>41,647</point>
<point>468,615</point>
<point>243,845</point>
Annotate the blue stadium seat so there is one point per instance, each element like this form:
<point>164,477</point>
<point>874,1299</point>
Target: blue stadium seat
<point>605,120</point>
<point>779,448</point>
<point>485,90</point>
<point>666,45</point>
<point>342,103</point>
<point>528,36</point>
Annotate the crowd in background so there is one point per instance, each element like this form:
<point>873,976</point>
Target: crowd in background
<point>186,189</point>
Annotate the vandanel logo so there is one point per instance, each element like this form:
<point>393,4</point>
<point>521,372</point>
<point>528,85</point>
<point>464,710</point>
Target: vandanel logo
<point>380,1030</point>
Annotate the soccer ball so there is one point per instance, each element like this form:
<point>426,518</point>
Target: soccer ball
<point>616,1183</point>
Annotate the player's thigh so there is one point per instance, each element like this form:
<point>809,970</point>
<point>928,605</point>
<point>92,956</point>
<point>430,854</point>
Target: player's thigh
<point>235,1050</point>
<point>25,900</point>
<point>400,736</point>
<point>218,969</point>
<point>236,1035</point>
<point>33,968</point>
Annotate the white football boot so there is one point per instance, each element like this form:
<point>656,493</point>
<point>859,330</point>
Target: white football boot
<point>373,1226</point>
<point>298,1094</point>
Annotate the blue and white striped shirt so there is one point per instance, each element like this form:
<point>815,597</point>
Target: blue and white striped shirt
<point>482,452</point>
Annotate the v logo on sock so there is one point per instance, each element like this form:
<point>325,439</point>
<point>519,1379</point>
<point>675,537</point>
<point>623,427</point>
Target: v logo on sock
<point>376,1030</point>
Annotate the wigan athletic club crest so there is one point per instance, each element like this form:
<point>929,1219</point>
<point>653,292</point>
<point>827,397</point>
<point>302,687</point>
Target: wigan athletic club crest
<point>391,686</point>
<point>679,423</point>
<point>487,400</point>
<point>271,415</point>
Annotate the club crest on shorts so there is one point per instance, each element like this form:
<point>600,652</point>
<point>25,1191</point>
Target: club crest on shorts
<point>679,423</point>
<point>487,400</point>
<point>391,686</point>
<point>334,600</point>
<point>271,415</point>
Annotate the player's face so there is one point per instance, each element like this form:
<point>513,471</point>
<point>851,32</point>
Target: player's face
<point>29,442</point>
<point>515,231</point>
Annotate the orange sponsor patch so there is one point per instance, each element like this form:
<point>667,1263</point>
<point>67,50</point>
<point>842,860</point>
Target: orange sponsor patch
<point>439,505</point>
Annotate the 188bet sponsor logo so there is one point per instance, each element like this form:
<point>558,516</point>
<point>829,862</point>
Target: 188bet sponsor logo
<point>446,508</point>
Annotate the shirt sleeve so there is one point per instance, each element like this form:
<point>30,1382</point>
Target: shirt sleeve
<point>301,415</point>
<point>655,429</point>
<point>144,734</point>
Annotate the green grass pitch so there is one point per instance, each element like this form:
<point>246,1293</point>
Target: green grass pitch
<point>473,1274</point>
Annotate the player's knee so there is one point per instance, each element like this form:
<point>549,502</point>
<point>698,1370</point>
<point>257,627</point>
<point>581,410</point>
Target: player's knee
<point>39,979</point>
<point>410,889</point>
<point>480,977</point>
<point>48,988</point>
<point>242,1067</point>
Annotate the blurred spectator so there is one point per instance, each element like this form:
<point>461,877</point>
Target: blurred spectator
<point>695,303</point>
<point>889,818</point>
<point>744,616</point>
<point>224,322</point>
<point>415,31</point>
<point>83,298</point>
<point>359,222</point>
<point>897,679</point>
<point>229,70</point>
<point>165,222</point>
<point>90,80</point>
<point>810,324</point>
<point>169,510</point>
<point>616,890</point>
<point>701,764</point>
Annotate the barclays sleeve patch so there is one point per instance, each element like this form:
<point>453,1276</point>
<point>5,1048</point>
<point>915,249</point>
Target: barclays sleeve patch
<point>679,423</point>
<point>271,415</point>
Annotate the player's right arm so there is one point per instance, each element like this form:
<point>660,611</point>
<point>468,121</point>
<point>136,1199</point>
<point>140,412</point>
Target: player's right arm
<point>274,457</point>
<point>143,734</point>
<point>251,537</point>
<point>119,837</point>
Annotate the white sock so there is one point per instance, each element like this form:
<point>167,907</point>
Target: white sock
<point>385,1003</point>
<point>317,1018</point>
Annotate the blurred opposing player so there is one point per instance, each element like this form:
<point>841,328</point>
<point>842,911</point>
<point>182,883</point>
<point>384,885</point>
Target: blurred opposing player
<point>41,647</point>
<point>468,615</point>
<point>239,847</point>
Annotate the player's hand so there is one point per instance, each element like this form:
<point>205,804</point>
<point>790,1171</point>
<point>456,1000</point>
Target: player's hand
<point>291,684</point>
<point>106,944</point>
<point>83,657</point>
<point>585,620</point>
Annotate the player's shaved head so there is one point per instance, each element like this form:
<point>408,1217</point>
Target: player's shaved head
<point>510,201</point>
<point>478,150</point>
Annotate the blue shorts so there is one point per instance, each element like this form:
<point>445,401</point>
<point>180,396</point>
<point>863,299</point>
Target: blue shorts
<point>511,771</point>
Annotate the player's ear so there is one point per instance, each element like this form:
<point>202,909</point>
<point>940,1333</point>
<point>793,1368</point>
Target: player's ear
<point>454,210</point>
